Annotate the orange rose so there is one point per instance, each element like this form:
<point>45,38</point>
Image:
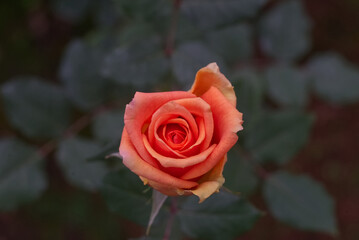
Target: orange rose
<point>177,142</point>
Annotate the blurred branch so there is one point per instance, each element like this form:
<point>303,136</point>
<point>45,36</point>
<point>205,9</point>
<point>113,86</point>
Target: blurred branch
<point>73,129</point>
<point>173,28</point>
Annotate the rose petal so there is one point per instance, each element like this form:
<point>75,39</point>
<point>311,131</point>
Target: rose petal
<point>227,122</point>
<point>137,165</point>
<point>210,76</point>
<point>195,147</point>
<point>175,135</point>
<point>138,111</point>
<point>169,110</point>
<point>185,128</point>
<point>165,189</point>
<point>159,143</point>
<point>201,108</point>
<point>175,162</point>
<point>210,182</point>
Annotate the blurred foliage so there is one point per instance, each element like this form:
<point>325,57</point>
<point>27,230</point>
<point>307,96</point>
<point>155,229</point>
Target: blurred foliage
<point>159,45</point>
<point>300,201</point>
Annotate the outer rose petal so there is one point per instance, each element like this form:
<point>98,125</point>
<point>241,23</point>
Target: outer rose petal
<point>137,165</point>
<point>211,182</point>
<point>165,189</point>
<point>227,122</point>
<point>210,76</point>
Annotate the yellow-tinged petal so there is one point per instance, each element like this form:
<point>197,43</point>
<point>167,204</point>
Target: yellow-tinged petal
<point>210,182</point>
<point>206,189</point>
<point>210,76</point>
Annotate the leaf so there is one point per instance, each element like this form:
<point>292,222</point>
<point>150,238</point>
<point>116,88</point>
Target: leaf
<point>80,73</point>
<point>73,11</point>
<point>106,13</point>
<point>158,199</point>
<point>278,136</point>
<point>72,157</point>
<point>249,88</point>
<point>301,202</point>
<point>155,11</point>
<point>22,179</point>
<point>287,86</point>
<point>134,32</point>
<point>239,174</point>
<point>334,78</point>
<point>189,58</point>
<point>209,14</point>
<point>105,153</point>
<point>36,108</point>
<point>125,194</point>
<point>140,64</point>
<point>146,238</point>
<point>232,43</point>
<point>186,31</point>
<point>222,216</point>
<point>284,31</point>
<point>108,126</point>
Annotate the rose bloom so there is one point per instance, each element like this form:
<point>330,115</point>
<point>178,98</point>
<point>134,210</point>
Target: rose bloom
<point>177,142</point>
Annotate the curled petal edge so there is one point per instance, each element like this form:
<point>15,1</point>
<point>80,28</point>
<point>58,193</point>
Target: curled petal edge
<point>210,76</point>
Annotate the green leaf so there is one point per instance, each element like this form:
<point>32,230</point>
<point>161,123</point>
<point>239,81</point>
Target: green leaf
<point>249,88</point>
<point>106,13</point>
<point>140,64</point>
<point>232,43</point>
<point>334,78</point>
<point>153,11</point>
<point>135,32</point>
<point>80,72</point>
<point>125,194</point>
<point>22,179</point>
<point>72,157</point>
<point>186,31</point>
<point>209,14</point>
<point>73,11</point>
<point>239,174</point>
<point>285,31</point>
<point>301,202</point>
<point>110,149</point>
<point>287,86</point>
<point>278,136</point>
<point>189,58</point>
<point>108,126</point>
<point>146,238</point>
<point>222,216</point>
<point>36,108</point>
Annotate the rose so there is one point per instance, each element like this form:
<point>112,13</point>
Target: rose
<point>177,142</point>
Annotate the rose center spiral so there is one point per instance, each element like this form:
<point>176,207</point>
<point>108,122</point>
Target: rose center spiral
<point>175,133</point>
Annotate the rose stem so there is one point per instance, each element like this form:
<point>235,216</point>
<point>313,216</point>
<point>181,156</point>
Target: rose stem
<point>171,219</point>
<point>73,129</point>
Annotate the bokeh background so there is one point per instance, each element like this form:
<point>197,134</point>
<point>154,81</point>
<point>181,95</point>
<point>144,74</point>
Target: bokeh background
<point>158,46</point>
